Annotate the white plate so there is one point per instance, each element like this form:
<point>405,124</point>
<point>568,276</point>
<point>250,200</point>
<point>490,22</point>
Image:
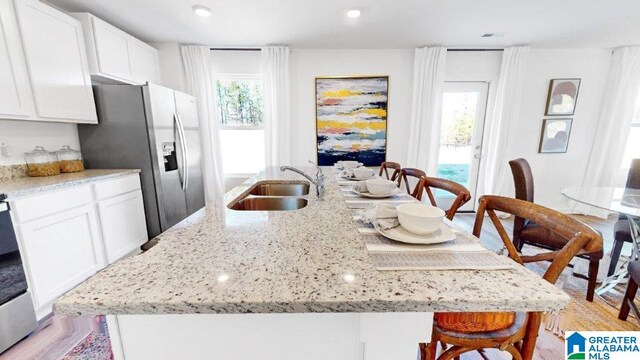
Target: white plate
<point>395,191</point>
<point>399,233</point>
<point>353,178</point>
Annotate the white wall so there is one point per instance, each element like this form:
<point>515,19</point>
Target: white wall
<point>308,64</point>
<point>23,136</point>
<point>555,171</point>
<point>171,69</point>
<point>552,171</point>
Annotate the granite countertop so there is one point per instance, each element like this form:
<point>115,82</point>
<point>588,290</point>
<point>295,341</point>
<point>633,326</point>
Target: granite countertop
<point>24,186</point>
<point>224,261</point>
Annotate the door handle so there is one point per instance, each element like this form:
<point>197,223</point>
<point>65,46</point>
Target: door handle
<point>182,151</point>
<point>477,156</point>
<point>185,153</point>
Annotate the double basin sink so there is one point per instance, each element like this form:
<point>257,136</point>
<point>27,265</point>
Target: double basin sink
<point>273,196</point>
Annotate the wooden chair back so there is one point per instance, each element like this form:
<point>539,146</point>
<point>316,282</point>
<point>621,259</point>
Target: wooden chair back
<point>414,173</point>
<point>578,234</point>
<point>523,181</point>
<point>461,193</point>
<point>385,166</point>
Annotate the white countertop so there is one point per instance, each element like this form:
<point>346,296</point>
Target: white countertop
<point>224,261</point>
<point>24,186</point>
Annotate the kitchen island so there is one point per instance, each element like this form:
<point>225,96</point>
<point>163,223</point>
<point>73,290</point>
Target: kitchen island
<point>229,284</point>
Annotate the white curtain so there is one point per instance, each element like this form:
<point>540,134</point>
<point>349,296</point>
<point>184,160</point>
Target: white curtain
<point>426,108</point>
<point>277,118</point>
<point>199,83</point>
<point>614,123</point>
<point>506,111</point>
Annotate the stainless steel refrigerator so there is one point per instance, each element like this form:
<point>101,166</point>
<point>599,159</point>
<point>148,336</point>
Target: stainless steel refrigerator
<point>156,130</point>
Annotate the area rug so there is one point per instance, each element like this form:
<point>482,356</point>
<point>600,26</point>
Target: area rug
<point>65,337</point>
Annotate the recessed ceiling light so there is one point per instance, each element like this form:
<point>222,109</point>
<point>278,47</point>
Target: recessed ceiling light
<point>201,10</point>
<point>353,13</point>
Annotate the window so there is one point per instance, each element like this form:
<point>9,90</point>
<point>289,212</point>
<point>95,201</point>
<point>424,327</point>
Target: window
<point>632,150</point>
<point>239,106</point>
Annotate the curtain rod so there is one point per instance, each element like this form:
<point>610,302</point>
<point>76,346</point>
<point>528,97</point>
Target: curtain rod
<point>475,49</point>
<point>235,49</point>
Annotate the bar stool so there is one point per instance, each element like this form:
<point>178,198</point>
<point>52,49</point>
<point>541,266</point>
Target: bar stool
<point>414,173</point>
<point>461,193</point>
<point>515,333</point>
<point>385,166</point>
<point>530,233</point>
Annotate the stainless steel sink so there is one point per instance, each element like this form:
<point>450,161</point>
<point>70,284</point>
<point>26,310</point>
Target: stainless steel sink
<point>269,204</point>
<point>280,189</point>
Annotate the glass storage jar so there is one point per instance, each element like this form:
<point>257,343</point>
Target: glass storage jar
<point>41,162</point>
<point>70,160</point>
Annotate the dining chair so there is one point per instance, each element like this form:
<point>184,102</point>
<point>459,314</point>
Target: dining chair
<point>416,174</point>
<point>530,233</point>
<point>621,229</point>
<point>630,294</point>
<point>460,192</point>
<point>514,332</point>
<point>385,166</point>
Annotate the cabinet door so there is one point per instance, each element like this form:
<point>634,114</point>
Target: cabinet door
<point>144,62</point>
<point>15,92</point>
<point>112,50</point>
<point>61,251</point>
<point>123,224</point>
<point>57,61</point>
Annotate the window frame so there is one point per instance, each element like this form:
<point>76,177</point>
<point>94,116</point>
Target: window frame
<point>238,76</point>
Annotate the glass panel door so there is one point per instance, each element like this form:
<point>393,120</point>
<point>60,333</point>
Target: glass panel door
<point>463,113</point>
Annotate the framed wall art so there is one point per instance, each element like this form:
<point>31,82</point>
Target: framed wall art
<point>554,137</point>
<point>351,119</point>
<point>562,96</point>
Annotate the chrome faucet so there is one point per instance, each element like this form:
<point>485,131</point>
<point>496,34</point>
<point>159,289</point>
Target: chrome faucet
<point>318,182</point>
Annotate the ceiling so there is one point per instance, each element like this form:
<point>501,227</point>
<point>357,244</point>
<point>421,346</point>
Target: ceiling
<point>383,24</point>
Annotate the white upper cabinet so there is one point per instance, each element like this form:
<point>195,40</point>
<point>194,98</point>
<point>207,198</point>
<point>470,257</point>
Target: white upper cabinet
<point>144,62</point>
<point>115,56</point>
<point>16,99</point>
<point>111,49</point>
<point>57,62</point>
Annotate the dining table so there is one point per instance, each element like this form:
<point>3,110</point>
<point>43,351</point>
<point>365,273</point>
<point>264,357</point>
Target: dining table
<point>618,200</point>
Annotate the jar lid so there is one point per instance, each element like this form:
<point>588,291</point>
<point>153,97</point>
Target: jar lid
<point>66,149</point>
<point>39,150</point>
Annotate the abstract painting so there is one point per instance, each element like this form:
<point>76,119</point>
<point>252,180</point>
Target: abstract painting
<point>555,136</point>
<point>351,119</point>
<point>562,97</point>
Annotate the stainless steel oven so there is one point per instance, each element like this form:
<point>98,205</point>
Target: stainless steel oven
<point>17,317</point>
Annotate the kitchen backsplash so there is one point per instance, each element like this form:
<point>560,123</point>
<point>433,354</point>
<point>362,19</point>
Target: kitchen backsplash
<point>8,172</point>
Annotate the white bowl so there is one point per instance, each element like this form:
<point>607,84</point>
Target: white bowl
<point>349,164</point>
<point>380,186</point>
<point>363,173</point>
<point>419,218</point>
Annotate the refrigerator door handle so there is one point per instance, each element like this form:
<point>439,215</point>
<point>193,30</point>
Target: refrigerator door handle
<point>185,154</point>
<point>181,172</point>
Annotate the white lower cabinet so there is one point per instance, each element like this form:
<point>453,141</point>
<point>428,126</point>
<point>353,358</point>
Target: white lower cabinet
<point>123,224</point>
<point>68,235</point>
<point>61,250</point>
